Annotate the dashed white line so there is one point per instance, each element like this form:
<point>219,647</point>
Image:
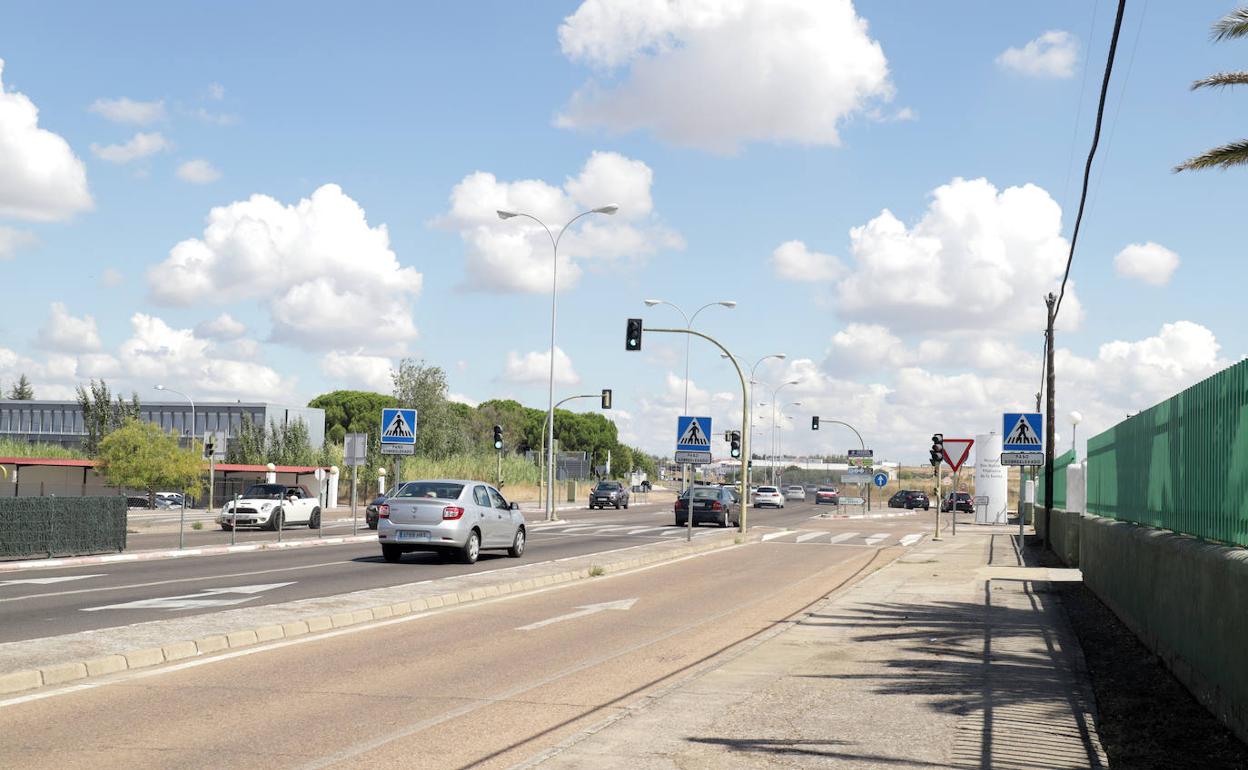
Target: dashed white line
<point>809,536</point>
<point>877,538</point>
<point>842,537</point>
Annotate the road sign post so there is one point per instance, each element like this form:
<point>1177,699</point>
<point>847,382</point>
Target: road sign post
<point>354,454</point>
<point>693,447</point>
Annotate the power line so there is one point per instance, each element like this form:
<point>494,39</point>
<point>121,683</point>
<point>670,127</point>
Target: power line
<point>1096,138</point>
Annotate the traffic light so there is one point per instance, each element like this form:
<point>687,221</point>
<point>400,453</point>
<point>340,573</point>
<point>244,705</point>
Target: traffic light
<point>632,338</point>
<point>498,437</point>
<point>814,423</point>
<point>938,449</point>
<point>209,449</point>
<point>606,398</point>
<point>735,442</point>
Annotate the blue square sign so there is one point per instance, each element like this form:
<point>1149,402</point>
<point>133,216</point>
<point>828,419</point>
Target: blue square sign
<point>1022,432</point>
<point>398,426</point>
<point>693,434</point>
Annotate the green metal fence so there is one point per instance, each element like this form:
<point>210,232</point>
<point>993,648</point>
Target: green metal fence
<point>1181,465</point>
<point>61,526</point>
<point>1059,481</point>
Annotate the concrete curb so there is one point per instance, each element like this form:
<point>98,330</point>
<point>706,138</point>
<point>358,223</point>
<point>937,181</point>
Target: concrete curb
<point>561,571</point>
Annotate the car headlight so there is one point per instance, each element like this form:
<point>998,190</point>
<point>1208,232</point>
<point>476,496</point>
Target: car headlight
<point>266,506</point>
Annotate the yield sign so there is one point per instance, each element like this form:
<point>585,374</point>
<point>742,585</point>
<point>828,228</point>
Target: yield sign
<point>956,451</point>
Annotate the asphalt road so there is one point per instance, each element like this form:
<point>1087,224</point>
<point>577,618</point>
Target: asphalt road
<point>41,603</point>
<point>486,684</point>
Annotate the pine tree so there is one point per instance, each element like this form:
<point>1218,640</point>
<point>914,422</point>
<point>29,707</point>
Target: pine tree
<point>22,390</point>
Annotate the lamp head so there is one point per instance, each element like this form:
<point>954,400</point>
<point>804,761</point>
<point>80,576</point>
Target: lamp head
<point>653,302</point>
<point>506,214</point>
<point>610,208</point>
<point>729,303</point>
<point>159,387</point>
<point>1075,418</point>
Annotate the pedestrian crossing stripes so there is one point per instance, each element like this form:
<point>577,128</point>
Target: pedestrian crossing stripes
<point>824,537</point>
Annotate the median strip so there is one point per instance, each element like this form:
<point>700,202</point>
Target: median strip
<point>43,662</point>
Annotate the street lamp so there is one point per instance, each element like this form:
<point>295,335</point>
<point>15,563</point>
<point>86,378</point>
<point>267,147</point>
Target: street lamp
<point>1075,419</point>
<point>610,208</point>
<point>689,319</point>
<point>753,382</point>
<point>779,427</point>
<point>775,391</point>
<point>165,389</point>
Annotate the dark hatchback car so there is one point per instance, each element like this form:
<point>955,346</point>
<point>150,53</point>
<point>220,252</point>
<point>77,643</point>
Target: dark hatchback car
<point>965,502</point>
<point>909,498</point>
<point>373,512</point>
<point>611,493</point>
<point>715,505</point>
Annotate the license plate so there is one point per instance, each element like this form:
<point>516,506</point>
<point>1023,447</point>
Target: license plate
<point>417,534</point>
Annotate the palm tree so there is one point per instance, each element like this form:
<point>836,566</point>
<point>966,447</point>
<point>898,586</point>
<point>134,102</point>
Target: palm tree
<point>1233,25</point>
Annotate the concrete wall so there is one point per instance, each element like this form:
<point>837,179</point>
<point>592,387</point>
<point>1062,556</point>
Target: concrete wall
<point>1185,598</point>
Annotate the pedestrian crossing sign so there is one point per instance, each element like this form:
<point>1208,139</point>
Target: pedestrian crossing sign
<point>1023,432</point>
<point>398,426</point>
<point>693,434</point>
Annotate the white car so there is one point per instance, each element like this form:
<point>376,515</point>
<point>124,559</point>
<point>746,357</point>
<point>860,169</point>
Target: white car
<point>272,506</point>
<point>768,496</point>
<point>795,493</point>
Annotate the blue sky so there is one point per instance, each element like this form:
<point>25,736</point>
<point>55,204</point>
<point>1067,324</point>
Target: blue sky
<point>723,133</point>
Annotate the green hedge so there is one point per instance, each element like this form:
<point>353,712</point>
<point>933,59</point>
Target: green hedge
<point>61,526</point>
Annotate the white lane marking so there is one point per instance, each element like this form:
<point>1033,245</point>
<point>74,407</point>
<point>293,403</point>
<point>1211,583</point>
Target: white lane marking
<point>809,536</point>
<point>774,535</point>
<point>842,537</point>
<point>645,529</point>
<point>876,538</point>
<point>194,601</point>
<point>46,581</point>
<point>909,540</point>
<point>582,611</point>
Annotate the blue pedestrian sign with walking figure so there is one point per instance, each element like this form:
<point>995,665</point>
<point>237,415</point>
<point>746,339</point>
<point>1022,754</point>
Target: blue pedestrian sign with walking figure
<point>1022,432</point>
<point>693,440</point>
<point>398,426</point>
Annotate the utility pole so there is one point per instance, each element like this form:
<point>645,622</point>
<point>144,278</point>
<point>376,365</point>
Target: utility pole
<point>1049,411</point>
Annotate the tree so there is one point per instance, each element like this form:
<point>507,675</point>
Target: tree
<point>139,455</point>
<point>101,415</point>
<point>248,447</point>
<point>22,390</point>
<point>422,387</point>
<point>287,444</point>
<point>1230,27</point>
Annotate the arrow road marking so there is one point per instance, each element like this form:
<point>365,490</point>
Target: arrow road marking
<point>45,581</point>
<point>588,609</point>
<point>194,601</point>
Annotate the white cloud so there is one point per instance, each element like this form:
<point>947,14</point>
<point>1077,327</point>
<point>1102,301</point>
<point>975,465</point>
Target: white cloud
<point>216,91</point>
<point>716,74</point>
<point>126,110</point>
<point>111,277</point>
<point>12,239</point>
<point>223,327</point>
<point>1149,262</point>
<point>373,372</point>
<point>40,177</point>
<point>141,145</point>
<point>1052,55</point>
<point>68,334</point>
<point>978,259</point>
<point>794,262</point>
<point>214,118</point>
<point>329,280</point>
<point>459,398</point>
<point>198,171</point>
<point>534,368</point>
<point>515,255</point>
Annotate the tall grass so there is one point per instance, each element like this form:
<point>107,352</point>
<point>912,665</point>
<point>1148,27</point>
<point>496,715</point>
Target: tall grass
<point>16,448</point>
<point>516,470</point>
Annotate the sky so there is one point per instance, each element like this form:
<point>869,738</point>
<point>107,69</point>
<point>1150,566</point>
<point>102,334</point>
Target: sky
<point>272,201</point>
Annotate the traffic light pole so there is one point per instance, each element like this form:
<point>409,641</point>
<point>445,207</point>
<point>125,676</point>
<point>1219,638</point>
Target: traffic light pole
<point>745,416</point>
<point>550,507</point>
<point>862,444</point>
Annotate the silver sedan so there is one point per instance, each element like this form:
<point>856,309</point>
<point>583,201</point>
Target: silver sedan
<point>454,517</point>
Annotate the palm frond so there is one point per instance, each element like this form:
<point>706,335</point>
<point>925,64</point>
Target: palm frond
<point>1233,154</point>
<point>1232,25</point>
<point>1222,79</point>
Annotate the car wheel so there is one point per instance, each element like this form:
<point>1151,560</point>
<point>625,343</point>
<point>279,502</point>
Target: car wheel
<point>275,521</point>
<point>373,525</point>
<point>626,506</point>
<point>723,520</point>
<point>617,506</point>
<point>472,549</point>
<point>314,521</point>
<point>517,545</point>
<point>226,527</point>
<point>391,553</point>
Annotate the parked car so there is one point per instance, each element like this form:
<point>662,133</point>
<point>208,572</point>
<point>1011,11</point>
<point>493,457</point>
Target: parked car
<point>271,506</point>
<point>138,501</point>
<point>768,496</point>
<point>909,498</point>
<point>795,492</point>
<point>450,516</point>
<point>372,511</point>
<point>606,493</point>
<point>169,499</point>
<point>717,505</point>
<point>963,501</point>
<point>827,496</point>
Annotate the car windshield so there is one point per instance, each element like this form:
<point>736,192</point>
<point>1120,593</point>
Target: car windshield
<point>826,489</point>
<point>702,493</point>
<point>608,486</point>
<point>265,492</point>
<point>440,490</point>
<point>768,489</point>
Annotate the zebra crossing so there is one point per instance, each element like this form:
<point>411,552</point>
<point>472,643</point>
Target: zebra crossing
<point>824,537</point>
<point>638,529</point>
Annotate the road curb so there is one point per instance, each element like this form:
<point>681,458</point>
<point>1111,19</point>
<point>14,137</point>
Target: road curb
<point>561,571</point>
<point>167,553</point>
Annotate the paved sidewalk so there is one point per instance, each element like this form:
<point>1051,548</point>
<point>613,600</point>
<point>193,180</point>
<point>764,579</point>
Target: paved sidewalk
<point>947,658</point>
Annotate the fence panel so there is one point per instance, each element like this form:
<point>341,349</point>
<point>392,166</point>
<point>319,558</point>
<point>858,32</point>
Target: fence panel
<point>61,526</point>
<point>1059,480</point>
<point>1181,465</point>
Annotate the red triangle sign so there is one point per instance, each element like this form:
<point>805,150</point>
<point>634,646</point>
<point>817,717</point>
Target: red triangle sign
<point>956,451</point>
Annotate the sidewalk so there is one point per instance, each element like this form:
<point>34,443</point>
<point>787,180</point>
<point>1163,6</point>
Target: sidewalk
<point>954,656</point>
